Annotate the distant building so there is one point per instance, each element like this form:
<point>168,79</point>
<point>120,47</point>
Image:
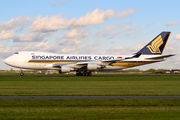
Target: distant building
<point>176,71</point>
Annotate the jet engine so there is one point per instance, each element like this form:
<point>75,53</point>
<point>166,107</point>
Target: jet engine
<point>65,69</point>
<point>92,66</point>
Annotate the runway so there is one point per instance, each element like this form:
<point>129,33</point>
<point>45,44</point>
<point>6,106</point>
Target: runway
<point>89,97</point>
<point>97,76</point>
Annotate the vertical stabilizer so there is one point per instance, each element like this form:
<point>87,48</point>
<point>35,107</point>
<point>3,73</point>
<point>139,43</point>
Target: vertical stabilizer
<point>157,45</point>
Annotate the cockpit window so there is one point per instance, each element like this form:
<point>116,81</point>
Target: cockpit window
<point>16,53</point>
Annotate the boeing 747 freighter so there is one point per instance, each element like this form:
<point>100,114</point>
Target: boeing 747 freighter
<point>84,64</point>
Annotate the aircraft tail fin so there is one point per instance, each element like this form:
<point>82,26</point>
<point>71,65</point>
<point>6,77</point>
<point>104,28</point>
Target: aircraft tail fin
<point>157,45</point>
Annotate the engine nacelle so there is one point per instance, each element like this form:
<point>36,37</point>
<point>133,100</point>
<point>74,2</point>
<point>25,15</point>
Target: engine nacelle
<point>65,69</point>
<point>92,66</point>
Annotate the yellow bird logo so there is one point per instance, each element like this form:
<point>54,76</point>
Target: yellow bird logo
<point>154,47</point>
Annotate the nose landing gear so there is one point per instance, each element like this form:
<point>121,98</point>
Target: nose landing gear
<point>21,72</point>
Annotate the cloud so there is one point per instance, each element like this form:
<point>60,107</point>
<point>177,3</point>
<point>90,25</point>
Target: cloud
<point>105,31</point>
<point>31,37</point>
<point>2,45</point>
<point>74,37</point>
<point>56,22</point>
<point>177,37</point>
<point>42,46</point>
<point>124,50</point>
<point>64,1</point>
<point>7,51</point>
<point>50,23</point>
<point>87,49</point>
<point>70,42</point>
<point>42,27</point>
<point>96,43</point>
<point>96,17</point>
<point>53,4</point>
<point>70,50</point>
<point>172,47</point>
<point>5,35</point>
<point>125,13</point>
<point>75,33</point>
<point>136,48</point>
<point>13,23</point>
<point>150,24</point>
<point>171,23</point>
<point>126,28</point>
<point>114,50</point>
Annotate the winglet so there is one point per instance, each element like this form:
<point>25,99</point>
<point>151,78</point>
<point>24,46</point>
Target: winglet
<point>157,45</point>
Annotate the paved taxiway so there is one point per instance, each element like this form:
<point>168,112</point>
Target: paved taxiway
<point>98,76</point>
<point>89,97</point>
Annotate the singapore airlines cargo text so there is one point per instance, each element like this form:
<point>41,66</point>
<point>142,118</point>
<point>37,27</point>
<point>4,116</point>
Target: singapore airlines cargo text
<point>72,57</point>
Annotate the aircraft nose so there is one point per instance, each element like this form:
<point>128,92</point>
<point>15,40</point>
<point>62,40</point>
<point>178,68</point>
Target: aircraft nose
<point>8,61</point>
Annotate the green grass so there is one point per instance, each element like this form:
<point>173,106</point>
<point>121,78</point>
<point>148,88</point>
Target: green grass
<point>150,109</point>
<point>90,109</point>
<point>90,86</point>
<point>72,74</point>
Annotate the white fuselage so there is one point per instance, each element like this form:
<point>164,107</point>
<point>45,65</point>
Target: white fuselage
<point>47,60</point>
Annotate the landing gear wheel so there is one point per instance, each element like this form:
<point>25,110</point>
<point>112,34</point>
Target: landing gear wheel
<point>21,74</point>
<point>89,73</point>
<point>84,74</point>
<point>78,74</point>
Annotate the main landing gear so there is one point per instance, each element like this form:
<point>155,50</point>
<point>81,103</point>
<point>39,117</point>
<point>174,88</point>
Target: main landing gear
<point>84,73</point>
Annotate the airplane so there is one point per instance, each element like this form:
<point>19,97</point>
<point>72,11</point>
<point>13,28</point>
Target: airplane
<point>84,64</point>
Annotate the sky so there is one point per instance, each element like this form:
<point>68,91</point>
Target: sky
<point>92,27</point>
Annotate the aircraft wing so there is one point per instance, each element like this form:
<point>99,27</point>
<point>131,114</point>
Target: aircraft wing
<point>105,62</point>
<point>58,65</point>
<point>109,61</point>
<point>87,62</point>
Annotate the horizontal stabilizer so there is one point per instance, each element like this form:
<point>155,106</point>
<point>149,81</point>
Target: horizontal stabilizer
<point>160,57</point>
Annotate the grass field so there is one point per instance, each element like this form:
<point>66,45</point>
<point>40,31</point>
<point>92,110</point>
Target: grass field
<point>83,86</point>
<point>164,109</point>
<point>73,74</point>
<point>90,109</point>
